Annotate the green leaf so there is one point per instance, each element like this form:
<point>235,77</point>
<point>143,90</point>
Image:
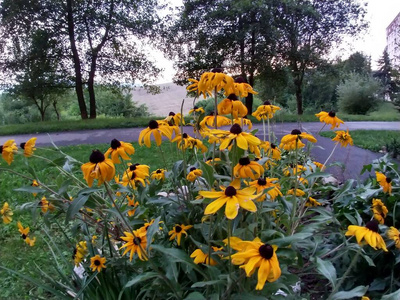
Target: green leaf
<point>356,292</point>
<point>152,230</point>
<point>290,239</point>
<point>392,296</point>
<point>195,296</point>
<point>30,189</point>
<point>326,268</point>
<point>366,168</point>
<point>136,280</point>
<point>205,283</point>
<point>78,202</point>
<point>208,173</point>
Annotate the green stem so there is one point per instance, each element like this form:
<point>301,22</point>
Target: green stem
<point>163,158</point>
<point>294,207</point>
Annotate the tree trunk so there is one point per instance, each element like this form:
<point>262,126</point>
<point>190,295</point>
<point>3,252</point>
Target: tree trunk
<point>299,96</point>
<point>56,110</point>
<point>92,97</point>
<point>249,98</point>
<point>77,62</point>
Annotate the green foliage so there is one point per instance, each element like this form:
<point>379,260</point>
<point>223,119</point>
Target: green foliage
<point>358,94</point>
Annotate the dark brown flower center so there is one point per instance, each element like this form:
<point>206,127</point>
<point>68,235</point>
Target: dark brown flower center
<point>372,225</point>
<point>178,228</point>
<point>217,70</point>
<point>295,132</point>
<point>388,179</point>
<point>267,103</point>
<point>24,236</point>
<point>230,191</point>
<point>133,176</point>
<point>273,146</point>
<point>74,253</point>
<point>133,167</point>
<point>244,161</point>
<point>1,149</point>
<point>332,114</point>
<point>185,136</point>
<point>195,108</point>
<point>192,169</point>
<point>232,97</point>
<point>97,262</point>
<point>158,171</point>
<point>115,144</point>
<point>261,181</point>
<point>137,240</point>
<point>153,124</point>
<point>236,129</point>
<point>266,251</point>
<point>96,157</point>
<point>171,113</point>
<point>239,80</point>
<point>22,145</point>
<point>256,159</point>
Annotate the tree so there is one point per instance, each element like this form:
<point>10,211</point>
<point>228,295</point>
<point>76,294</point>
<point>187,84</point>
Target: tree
<point>235,35</point>
<point>387,75</point>
<point>99,38</point>
<point>307,29</point>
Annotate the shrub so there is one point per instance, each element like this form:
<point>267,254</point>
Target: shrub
<point>357,94</point>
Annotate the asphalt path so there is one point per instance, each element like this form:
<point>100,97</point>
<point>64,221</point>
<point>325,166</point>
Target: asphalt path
<point>351,158</point>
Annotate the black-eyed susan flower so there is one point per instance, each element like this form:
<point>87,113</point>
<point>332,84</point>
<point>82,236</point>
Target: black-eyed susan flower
<point>119,149</point>
<point>7,150</point>
<point>158,174</point>
<point>80,251</point>
<point>274,152</point>
<point>136,242</point>
<point>177,231</point>
<point>233,197</point>
<point>141,170</point>
<point>214,81</point>
<point>343,137</point>
<point>293,140</point>
<point>248,169</point>
<point>202,258</point>
<point>243,89</point>
<point>243,121</point>
<point>239,110</point>
<point>379,210</point>
<point>196,110</point>
<point>185,141</point>
<point>194,174</point>
<point>299,193</point>
<point>365,298</point>
<point>35,184</point>
<point>29,147</point>
<point>133,179</point>
<point>384,182</point>
<point>225,106</point>
<point>97,263</point>
<point>265,111</point>
<point>210,162</point>
<point>45,205</point>
<point>25,235</point>
<point>293,170</point>
<point>132,204</point>
<point>311,202</point>
<point>194,87</point>
<point>6,213</point>
<point>158,130</point>
<point>255,254</point>
<point>394,234</point>
<point>99,168</point>
<point>319,165</point>
<point>175,119</point>
<point>369,234</point>
<point>329,118</point>
<point>261,184</point>
<point>243,139</point>
<point>210,121</point>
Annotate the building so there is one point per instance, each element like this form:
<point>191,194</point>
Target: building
<point>393,41</point>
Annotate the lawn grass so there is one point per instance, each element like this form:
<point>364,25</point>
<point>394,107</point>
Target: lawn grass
<point>372,140</point>
<point>11,244</point>
<point>385,112</point>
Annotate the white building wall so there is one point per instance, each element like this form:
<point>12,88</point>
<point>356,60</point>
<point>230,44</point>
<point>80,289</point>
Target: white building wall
<point>393,41</point>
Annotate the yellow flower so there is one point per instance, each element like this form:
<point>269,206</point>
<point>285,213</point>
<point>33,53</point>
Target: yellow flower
<point>292,170</point>
<point>238,109</point>
<point>158,130</point>
<point>196,110</point>
<point>29,147</point>
<point>132,204</point>
<point>141,171</point>
<point>329,118</point>
<point>158,174</point>
<point>202,258</point>
<point>177,232</point>
<point>133,178</point>
<point>343,137</point>
<point>394,235</point>
<point>214,81</point>
<point>209,161</point>
<point>233,197</point>
<point>255,254</point>
<point>369,233</point>
<point>119,149</point>
<point>273,151</point>
<point>273,189</point>
<point>136,242</point>
<point>193,174</point>
<point>299,193</point>
<point>97,263</point>
<point>243,139</point>
<point>80,252</point>
<point>7,150</point>
<point>194,87</point>
<point>265,111</point>
<point>384,182</point>
<point>174,119</point>
<point>24,235</point>
<point>210,121</point>
<point>293,140</point>
<point>225,106</point>
<point>380,210</point>
<point>35,184</point>
<point>99,168</point>
<point>185,141</point>
<point>45,205</point>
<point>248,169</point>
<point>365,298</point>
<point>6,213</point>
<point>243,121</point>
<point>242,89</point>
<point>319,165</point>
<point>311,202</point>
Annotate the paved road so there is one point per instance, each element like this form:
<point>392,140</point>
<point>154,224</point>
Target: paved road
<point>353,158</point>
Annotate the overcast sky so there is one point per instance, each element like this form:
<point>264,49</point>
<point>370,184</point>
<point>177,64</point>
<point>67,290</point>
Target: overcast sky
<point>379,13</point>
